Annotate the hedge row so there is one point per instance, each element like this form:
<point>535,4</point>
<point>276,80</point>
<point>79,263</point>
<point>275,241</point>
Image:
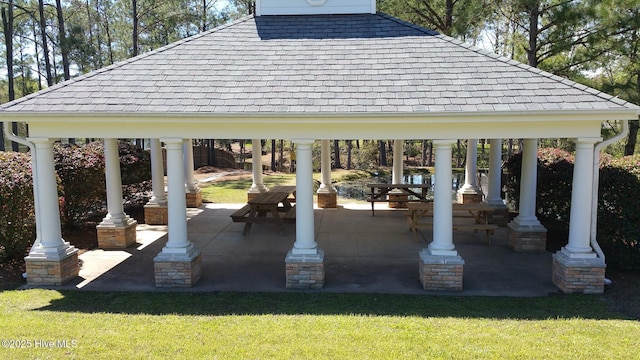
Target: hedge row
<point>618,209</point>
<point>82,192</point>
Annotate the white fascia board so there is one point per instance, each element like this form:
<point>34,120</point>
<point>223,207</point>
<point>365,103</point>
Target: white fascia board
<point>344,126</point>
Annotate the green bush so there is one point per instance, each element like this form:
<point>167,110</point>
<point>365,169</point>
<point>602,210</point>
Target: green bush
<point>17,220</point>
<point>618,210</point>
<point>81,169</point>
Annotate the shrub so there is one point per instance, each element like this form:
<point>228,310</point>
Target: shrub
<point>618,217</point>
<point>81,169</point>
<point>17,220</point>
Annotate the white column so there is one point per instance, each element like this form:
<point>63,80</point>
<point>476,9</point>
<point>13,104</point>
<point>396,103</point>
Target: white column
<point>581,193</point>
<point>528,183</point>
<point>396,176</point>
<point>157,175</point>
<point>178,243</point>
<point>256,166</point>
<point>50,245</point>
<point>495,173</point>
<point>305,228</point>
<point>325,167</point>
<point>115,215</point>
<point>471,169</point>
<point>190,180</point>
<point>442,243</point>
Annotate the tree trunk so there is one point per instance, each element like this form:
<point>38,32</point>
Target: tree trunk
<point>383,153</point>
<point>45,45</point>
<point>7,26</point>
<point>273,155</point>
<point>532,57</point>
<point>336,154</point>
<point>430,156</point>
<point>423,154</point>
<point>349,150</point>
<point>281,156</point>
<point>630,147</point>
<point>459,154</point>
<point>64,46</point>
<point>134,35</point>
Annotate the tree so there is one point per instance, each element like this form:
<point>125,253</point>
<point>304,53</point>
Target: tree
<point>462,19</point>
<point>617,66</point>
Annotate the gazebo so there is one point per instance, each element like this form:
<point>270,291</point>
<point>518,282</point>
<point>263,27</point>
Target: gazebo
<point>316,70</point>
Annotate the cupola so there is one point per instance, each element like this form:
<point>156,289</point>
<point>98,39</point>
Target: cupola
<point>314,7</point>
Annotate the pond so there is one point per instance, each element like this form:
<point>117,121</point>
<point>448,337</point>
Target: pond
<point>358,189</point>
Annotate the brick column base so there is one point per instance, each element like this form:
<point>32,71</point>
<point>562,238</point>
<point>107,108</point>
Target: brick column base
<point>305,271</point>
<point>177,273</point>
<point>578,275</point>
<point>194,199</point>
<point>52,272</point>
<point>440,273</point>
<point>398,201</point>
<point>252,195</point>
<point>156,215</point>
<point>469,198</point>
<point>327,200</point>
<point>499,216</point>
<point>527,240</point>
<point>117,237</point>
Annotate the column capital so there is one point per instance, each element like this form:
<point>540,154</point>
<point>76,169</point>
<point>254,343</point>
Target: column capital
<point>173,142</point>
<point>40,141</point>
<point>444,142</point>
<point>587,140</point>
<point>303,141</point>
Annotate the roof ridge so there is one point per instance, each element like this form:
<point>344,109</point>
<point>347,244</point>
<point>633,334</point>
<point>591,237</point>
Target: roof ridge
<point>126,61</point>
<point>511,62</point>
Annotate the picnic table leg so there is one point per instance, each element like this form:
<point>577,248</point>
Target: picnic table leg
<point>279,222</point>
<point>247,225</point>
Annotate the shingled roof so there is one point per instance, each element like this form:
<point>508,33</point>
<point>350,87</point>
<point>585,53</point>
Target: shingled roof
<point>322,64</point>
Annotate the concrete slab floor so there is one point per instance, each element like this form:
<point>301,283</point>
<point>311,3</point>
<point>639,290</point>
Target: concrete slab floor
<point>362,254</point>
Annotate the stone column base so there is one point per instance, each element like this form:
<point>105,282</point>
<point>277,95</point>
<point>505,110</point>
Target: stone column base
<point>527,239</point>
<point>305,271</point>
<point>194,199</point>
<point>440,273</point>
<point>469,198</point>
<point>252,195</point>
<point>398,201</point>
<point>52,272</point>
<point>499,216</point>
<point>327,200</point>
<point>170,272</point>
<point>156,215</point>
<point>117,237</point>
<point>578,275</point>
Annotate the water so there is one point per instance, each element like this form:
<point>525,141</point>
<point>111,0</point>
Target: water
<point>358,189</point>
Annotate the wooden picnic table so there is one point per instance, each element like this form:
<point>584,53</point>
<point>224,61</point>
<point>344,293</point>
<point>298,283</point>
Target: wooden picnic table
<point>275,202</point>
<point>479,212</point>
<point>380,192</point>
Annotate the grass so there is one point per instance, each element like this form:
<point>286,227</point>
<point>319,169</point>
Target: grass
<point>312,325</point>
<point>235,191</point>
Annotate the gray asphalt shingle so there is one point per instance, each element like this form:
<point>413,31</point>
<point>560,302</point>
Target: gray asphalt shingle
<point>319,64</point>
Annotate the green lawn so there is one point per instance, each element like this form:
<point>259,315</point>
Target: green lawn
<point>310,326</point>
<point>235,191</point>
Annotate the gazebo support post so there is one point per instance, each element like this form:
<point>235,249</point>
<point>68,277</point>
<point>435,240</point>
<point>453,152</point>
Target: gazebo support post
<point>117,230</point>
<point>51,260</point>
<point>397,199</point>
<point>525,231</point>
<point>440,266</point>
<point>327,194</point>
<point>179,262</point>
<point>469,193</point>
<point>576,267</point>
<point>193,193</point>
<point>500,213</point>
<point>257,186</point>
<point>305,261</point>
<point>155,211</point>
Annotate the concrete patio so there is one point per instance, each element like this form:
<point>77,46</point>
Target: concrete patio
<point>362,254</point>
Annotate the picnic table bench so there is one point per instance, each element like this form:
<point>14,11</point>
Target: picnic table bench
<point>275,202</point>
<point>380,192</point>
<point>420,216</point>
